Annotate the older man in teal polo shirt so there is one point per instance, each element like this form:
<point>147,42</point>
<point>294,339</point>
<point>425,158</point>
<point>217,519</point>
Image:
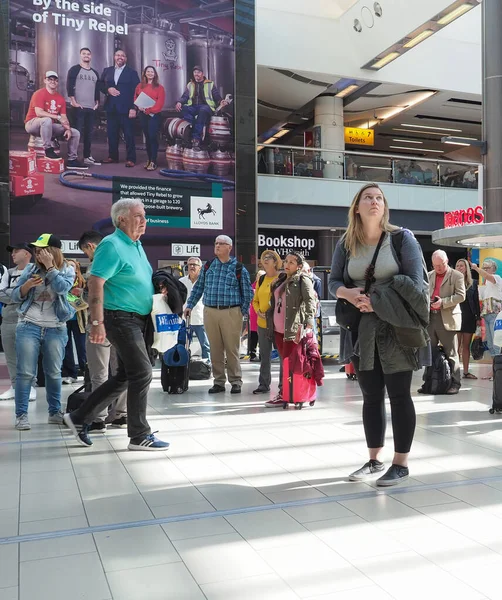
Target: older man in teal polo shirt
<point>120,299</point>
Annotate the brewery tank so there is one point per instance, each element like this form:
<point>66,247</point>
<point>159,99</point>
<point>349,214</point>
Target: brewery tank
<point>197,53</point>
<point>222,64</point>
<point>58,49</point>
<point>70,42</point>
<point>26,60</point>
<point>18,82</point>
<point>166,51</point>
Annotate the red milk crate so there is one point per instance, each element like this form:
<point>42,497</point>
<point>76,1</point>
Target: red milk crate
<point>22,163</point>
<point>27,186</point>
<point>50,165</point>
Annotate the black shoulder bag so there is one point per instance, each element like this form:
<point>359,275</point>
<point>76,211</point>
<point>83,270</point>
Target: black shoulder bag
<point>347,315</point>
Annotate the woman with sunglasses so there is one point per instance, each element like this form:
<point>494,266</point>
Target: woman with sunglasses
<point>272,263</point>
<point>381,362</point>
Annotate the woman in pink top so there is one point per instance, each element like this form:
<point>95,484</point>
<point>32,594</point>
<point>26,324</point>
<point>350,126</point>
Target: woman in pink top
<point>150,118</point>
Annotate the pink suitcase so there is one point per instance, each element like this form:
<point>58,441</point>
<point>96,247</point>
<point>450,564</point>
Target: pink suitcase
<point>297,389</point>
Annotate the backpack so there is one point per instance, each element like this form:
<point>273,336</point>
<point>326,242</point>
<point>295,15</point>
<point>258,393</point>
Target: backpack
<point>438,377</point>
<point>238,272</point>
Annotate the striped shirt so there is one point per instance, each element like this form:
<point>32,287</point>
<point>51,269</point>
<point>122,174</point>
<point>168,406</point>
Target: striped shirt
<point>220,286</point>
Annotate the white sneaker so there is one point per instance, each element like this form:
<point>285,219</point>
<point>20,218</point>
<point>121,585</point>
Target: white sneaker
<point>91,161</point>
<point>33,394</point>
<point>56,419</point>
<point>22,423</point>
<point>8,395</point>
<point>69,380</point>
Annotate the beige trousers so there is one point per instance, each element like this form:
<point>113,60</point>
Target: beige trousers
<point>223,328</point>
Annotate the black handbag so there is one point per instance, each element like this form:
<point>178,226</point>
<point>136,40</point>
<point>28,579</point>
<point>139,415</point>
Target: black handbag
<point>347,315</point>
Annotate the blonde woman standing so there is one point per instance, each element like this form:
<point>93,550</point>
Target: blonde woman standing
<point>470,315</point>
<point>381,360</point>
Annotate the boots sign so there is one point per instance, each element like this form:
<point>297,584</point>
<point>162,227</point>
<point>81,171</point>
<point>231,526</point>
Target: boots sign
<point>285,241</point>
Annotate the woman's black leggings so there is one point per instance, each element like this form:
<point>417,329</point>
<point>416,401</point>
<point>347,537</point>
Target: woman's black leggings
<point>373,384</point>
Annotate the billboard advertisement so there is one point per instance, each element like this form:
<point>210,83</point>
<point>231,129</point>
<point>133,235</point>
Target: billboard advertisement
<point>110,100</point>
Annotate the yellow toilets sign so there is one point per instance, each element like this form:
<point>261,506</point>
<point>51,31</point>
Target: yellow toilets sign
<point>360,137</point>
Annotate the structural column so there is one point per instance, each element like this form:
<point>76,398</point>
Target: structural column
<point>328,117</point>
<point>492,102</point>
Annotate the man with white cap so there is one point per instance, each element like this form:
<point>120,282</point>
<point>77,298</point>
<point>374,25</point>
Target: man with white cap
<point>47,118</point>
<point>227,291</point>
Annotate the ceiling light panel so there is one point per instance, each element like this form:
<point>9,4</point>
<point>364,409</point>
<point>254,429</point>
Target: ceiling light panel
<point>430,127</point>
<point>415,149</point>
<point>454,14</point>
<point>419,38</point>
<point>385,60</point>
<point>348,90</point>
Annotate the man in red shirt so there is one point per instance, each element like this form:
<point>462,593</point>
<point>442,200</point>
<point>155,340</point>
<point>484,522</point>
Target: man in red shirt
<point>47,118</point>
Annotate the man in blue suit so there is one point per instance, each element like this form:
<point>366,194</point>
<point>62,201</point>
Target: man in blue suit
<point>118,83</point>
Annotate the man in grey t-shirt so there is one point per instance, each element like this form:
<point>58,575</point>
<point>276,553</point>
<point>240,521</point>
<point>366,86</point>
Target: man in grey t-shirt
<point>83,89</point>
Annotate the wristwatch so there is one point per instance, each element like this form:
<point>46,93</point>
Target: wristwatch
<point>96,323</point>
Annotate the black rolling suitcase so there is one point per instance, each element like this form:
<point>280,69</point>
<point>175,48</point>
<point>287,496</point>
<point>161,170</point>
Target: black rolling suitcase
<point>497,385</point>
<point>174,377</point>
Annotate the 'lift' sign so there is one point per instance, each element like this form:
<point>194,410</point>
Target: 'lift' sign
<point>470,216</point>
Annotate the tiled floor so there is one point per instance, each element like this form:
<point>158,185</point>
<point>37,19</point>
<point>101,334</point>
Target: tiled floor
<point>253,503</point>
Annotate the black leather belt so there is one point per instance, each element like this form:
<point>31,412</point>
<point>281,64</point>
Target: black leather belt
<point>435,312</point>
<point>125,313</point>
<point>224,307</point>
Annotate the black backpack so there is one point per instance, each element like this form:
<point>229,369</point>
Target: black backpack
<point>437,378</point>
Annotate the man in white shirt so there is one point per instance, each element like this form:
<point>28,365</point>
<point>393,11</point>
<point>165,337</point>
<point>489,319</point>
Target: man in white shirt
<point>197,316</point>
<point>21,257</point>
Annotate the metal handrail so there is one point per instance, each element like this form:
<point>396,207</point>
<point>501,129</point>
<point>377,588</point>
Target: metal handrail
<point>373,154</point>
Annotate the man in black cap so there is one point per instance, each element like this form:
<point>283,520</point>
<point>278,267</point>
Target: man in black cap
<point>21,256</point>
<point>199,103</point>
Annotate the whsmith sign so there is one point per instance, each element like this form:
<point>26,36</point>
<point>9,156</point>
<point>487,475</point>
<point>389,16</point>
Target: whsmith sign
<point>284,242</point>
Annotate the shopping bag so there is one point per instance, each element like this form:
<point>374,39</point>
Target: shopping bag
<point>166,325</point>
<point>477,346</point>
<point>497,334</point>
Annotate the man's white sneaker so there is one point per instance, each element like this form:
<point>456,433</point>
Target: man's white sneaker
<point>33,394</point>
<point>69,380</point>
<point>8,395</point>
<point>91,161</point>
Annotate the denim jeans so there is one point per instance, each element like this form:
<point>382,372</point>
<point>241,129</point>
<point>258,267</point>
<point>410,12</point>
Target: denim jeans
<point>124,331</point>
<point>69,367</point>
<point>200,332</point>
<point>198,117</point>
<point>489,327</point>
<point>151,126</point>
<point>84,118</point>
<point>30,340</point>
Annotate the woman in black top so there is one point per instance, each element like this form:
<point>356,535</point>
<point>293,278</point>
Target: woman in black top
<point>470,315</point>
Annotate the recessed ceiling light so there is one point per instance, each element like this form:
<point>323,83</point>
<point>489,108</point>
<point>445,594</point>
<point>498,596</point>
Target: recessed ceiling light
<point>348,90</point>
<point>415,149</point>
<point>454,14</point>
<point>385,60</point>
<point>417,132</point>
<point>457,143</point>
<point>430,127</point>
<point>419,38</point>
<point>407,141</point>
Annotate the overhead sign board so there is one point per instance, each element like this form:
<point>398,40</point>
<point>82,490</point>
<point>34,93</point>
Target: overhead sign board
<point>185,249</point>
<point>359,137</point>
<point>469,216</point>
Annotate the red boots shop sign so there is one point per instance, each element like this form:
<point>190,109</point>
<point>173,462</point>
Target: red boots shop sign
<point>469,216</point>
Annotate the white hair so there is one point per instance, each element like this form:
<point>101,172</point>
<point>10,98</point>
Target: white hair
<point>489,264</point>
<point>440,254</point>
<point>225,239</point>
<point>122,207</point>
<point>199,262</point>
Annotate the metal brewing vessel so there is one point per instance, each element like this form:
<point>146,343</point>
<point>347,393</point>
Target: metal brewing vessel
<point>166,51</point>
<point>198,53</point>
<point>222,64</point>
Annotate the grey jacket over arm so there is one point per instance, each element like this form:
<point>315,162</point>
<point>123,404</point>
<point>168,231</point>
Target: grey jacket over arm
<point>397,327</point>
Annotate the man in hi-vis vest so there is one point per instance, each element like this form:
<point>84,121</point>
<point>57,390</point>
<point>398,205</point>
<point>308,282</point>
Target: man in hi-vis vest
<point>199,103</point>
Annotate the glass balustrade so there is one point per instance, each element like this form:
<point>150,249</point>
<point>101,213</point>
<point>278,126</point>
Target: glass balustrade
<point>293,161</point>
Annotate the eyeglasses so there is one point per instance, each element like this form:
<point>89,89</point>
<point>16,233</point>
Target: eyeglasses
<point>194,265</point>
<point>221,244</point>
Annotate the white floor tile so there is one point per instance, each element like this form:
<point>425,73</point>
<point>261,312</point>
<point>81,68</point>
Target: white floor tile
<point>62,546</point>
<point>11,593</point>
<point>319,512</point>
<point>48,525</point>
<point>9,557</point>
<point>269,529</point>
<point>161,582</point>
<point>250,588</point>
<point>50,505</point>
<point>384,510</point>
<point>424,498</point>
<point>134,548</point>
<point>59,578</point>
<point>366,593</point>
<point>312,569</point>
<point>224,497</point>
<point>120,509</point>
<point>220,558</point>
<point>57,481</point>
<point>177,510</point>
<point>9,496</point>
<point>9,522</point>
<point>185,530</point>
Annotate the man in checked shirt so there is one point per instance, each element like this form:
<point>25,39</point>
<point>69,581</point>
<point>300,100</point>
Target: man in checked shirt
<point>227,293</point>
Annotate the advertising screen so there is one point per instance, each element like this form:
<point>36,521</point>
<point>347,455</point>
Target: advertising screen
<point>123,99</point>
